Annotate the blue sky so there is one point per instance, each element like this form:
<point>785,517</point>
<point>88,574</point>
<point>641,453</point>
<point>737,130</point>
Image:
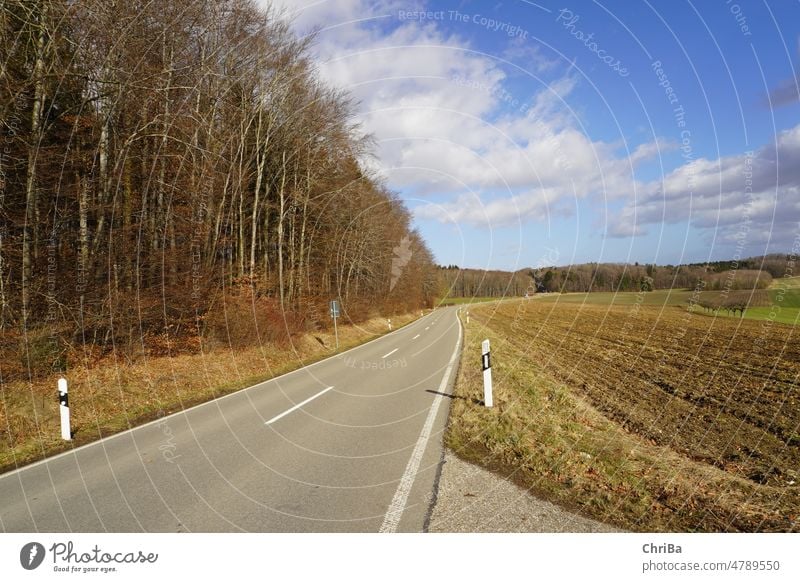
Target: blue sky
<point>530,133</point>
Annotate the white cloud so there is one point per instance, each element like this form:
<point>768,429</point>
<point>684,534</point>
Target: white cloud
<point>753,196</point>
<point>471,209</point>
<point>532,57</point>
<point>441,109</point>
<point>445,124</point>
<point>307,15</point>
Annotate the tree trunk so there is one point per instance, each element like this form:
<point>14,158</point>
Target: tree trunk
<point>212,250</point>
<point>103,193</point>
<point>301,267</point>
<point>265,242</point>
<point>281,216</point>
<point>30,179</point>
<point>261,157</point>
<point>240,246</point>
<point>3,302</point>
<point>127,211</point>
<point>83,233</point>
<point>158,219</point>
<point>292,254</point>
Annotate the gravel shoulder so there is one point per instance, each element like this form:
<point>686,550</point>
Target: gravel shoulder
<point>471,499</point>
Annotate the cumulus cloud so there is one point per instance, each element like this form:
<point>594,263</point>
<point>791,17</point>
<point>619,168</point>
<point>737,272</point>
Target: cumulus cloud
<point>469,208</point>
<point>446,124</point>
<point>530,56</point>
<point>448,129</point>
<point>753,196</point>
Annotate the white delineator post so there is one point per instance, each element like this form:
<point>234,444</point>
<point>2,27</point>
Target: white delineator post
<point>63,401</point>
<point>336,331</point>
<point>335,315</point>
<point>486,364</point>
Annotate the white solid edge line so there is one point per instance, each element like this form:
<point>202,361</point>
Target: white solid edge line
<point>239,392</point>
<point>390,353</point>
<point>296,406</point>
<point>392,518</point>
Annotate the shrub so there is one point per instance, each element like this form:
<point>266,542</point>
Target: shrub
<point>735,280</point>
<point>241,321</point>
<point>733,301</point>
<point>45,354</point>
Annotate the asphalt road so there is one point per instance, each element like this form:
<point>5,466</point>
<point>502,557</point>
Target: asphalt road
<point>352,443</point>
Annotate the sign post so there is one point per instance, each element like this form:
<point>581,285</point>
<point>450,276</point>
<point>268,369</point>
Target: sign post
<point>63,401</point>
<point>334,314</point>
<point>486,364</point>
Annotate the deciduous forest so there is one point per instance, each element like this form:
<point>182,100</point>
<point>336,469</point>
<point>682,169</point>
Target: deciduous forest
<point>177,168</point>
<point>744,274</point>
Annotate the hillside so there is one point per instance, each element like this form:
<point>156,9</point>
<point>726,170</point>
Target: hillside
<point>754,272</point>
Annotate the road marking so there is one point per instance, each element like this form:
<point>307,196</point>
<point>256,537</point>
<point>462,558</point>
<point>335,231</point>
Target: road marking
<point>295,407</point>
<point>443,332</point>
<point>390,353</point>
<point>215,401</point>
<point>415,337</point>
<point>427,328</point>
<point>392,518</point>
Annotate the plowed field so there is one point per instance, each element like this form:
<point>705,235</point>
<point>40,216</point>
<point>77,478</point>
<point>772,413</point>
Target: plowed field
<point>695,394</point>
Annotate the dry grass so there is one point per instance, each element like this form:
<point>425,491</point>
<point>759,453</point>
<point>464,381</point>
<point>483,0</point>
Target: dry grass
<point>116,394</point>
<point>607,411</point>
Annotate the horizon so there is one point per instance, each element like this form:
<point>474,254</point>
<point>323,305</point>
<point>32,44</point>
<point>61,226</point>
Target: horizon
<point>633,264</point>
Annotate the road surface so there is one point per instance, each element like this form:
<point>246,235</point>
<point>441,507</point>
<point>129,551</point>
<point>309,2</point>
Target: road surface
<point>351,443</point>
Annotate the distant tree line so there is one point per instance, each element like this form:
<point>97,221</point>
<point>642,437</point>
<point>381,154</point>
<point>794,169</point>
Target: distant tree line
<point>734,280</point>
<point>456,282</point>
<point>158,156</point>
<point>751,273</point>
<point>775,264</point>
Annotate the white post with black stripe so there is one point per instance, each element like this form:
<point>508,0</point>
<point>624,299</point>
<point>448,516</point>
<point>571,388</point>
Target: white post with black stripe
<point>63,400</point>
<point>486,364</point>
<point>335,312</point>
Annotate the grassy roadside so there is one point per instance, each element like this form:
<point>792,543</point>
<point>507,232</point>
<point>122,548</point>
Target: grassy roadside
<point>545,436</point>
<point>116,395</point>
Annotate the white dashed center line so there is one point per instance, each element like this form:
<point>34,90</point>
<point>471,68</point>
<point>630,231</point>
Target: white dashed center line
<point>295,407</point>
